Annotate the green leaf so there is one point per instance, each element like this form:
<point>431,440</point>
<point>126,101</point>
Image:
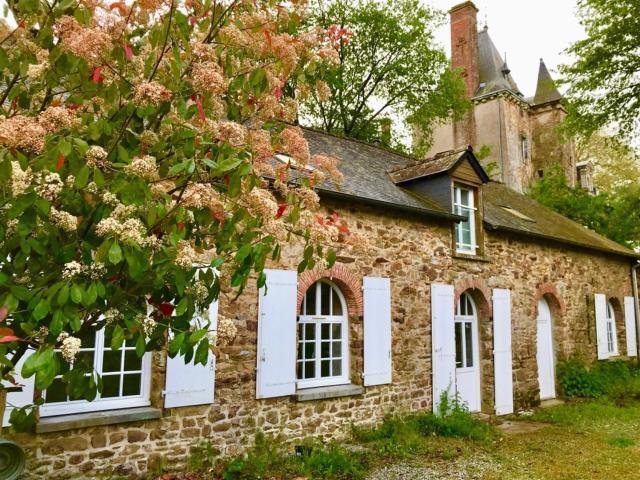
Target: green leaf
<point>63,294</point>
<point>202,352</point>
<point>76,293</point>
<point>227,164</point>
<point>331,258</point>
<point>140,345</point>
<point>83,177</point>
<point>182,306</point>
<point>117,337</point>
<point>41,309</point>
<point>115,253</point>
<point>176,344</point>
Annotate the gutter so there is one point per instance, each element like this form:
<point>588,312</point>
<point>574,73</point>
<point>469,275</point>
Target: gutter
<point>389,205</point>
<point>636,303</point>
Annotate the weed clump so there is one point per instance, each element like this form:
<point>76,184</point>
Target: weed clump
<point>618,380</point>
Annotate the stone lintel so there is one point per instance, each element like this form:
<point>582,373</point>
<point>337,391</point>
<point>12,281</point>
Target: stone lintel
<point>322,393</point>
<point>93,419</point>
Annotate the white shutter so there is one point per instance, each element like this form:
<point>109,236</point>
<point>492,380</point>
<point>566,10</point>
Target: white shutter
<point>191,384</point>
<point>377,330</point>
<point>502,358</point>
<point>276,368</point>
<point>19,399</point>
<point>630,326</point>
<point>601,325</point>
<point>443,347</point>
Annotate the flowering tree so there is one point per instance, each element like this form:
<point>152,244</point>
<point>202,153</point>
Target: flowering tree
<point>136,141</point>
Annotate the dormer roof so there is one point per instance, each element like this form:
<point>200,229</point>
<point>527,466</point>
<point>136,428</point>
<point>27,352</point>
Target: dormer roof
<point>445,162</point>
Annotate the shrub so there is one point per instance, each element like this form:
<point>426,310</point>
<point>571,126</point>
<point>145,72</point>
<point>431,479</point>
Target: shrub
<point>618,380</point>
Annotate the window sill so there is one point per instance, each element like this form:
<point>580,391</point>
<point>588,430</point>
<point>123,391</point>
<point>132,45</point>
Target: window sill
<point>94,419</point>
<point>323,393</point>
<point>473,258</point>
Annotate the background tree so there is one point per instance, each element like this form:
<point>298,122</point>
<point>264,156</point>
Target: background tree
<point>613,214</point>
<point>615,164</point>
<point>604,80</point>
<point>134,142</point>
<point>390,66</point>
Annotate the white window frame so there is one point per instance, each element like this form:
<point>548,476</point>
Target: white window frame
<point>524,147</point>
<point>612,336</point>
<point>460,208</point>
<point>99,404</point>
<point>319,320</point>
<point>473,320</point>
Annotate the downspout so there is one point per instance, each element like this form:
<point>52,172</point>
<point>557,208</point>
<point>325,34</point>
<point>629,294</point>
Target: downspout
<point>636,303</point>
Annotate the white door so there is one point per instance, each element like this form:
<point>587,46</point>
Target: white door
<point>545,356</point>
<point>467,356</point>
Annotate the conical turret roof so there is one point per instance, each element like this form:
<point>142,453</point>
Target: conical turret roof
<point>546,90</point>
<point>494,72</point>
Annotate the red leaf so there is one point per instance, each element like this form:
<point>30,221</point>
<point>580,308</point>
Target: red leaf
<point>333,218</point>
<point>193,20</point>
<point>60,162</point>
<point>267,34</point>
<point>320,220</point>
<point>281,209</point>
<point>180,225</point>
<point>165,308</point>
<point>278,93</point>
<point>6,331</point>
<point>9,338</point>
<point>128,52</point>
<point>200,108</point>
<point>96,76</point>
<point>122,8</point>
<point>343,228</point>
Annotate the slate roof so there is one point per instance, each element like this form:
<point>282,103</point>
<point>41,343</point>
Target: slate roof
<point>546,90</point>
<point>443,162</point>
<point>367,179</point>
<point>494,72</point>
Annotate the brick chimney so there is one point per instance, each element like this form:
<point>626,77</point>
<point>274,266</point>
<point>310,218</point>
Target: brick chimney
<point>464,44</point>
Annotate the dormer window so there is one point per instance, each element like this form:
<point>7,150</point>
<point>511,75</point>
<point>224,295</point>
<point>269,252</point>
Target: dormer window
<point>464,205</point>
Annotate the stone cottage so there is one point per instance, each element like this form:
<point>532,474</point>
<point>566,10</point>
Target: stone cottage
<point>521,133</point>
<point>467,287</point>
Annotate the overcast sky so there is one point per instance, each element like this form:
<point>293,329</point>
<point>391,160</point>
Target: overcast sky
<point>526,30</point>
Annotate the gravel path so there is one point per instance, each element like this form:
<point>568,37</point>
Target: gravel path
<point>460,469</point>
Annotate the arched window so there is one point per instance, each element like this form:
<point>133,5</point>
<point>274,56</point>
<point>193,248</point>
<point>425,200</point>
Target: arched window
<point>612,338</point>
<point>465,332</point>
<point>322,337</point>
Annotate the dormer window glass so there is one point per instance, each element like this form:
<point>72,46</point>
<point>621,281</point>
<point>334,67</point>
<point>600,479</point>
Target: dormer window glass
<point>464,205</point>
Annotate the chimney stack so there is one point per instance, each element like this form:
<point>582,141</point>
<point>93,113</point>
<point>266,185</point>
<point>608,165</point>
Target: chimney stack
<point>464,44</point>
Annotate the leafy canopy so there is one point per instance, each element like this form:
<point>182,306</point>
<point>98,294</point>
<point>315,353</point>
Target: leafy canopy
<point>615,215</point>
<point>134,140</point>
<point>390,66</point>
<point>604,80</point>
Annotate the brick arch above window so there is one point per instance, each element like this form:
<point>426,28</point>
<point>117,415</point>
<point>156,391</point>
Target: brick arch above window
<point>480,292</point>
<point>347,281</point>
<point>550,292</point>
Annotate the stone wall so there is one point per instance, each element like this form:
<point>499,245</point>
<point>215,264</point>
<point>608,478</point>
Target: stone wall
<point>414,253</point>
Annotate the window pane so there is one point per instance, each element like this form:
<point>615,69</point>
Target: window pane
<point>56,392</point>
<point>310,331</point>
<point>325,368</point>
<point>299,371</point>
<point>131,384</point>
<point>88,340</point>
<point>310,350</point>
<point>469,343</point>
<point>110,386</point>
<point>325,330</point>
<point>458,345</point>
<point>311,300</point>
<point>337,368</point>
<point>111,360</point>
<point>326,349</point>
<point>300,352</point>
<point>325,295</point>
<point>309,369</point>
<point>336,350</point>
<point>336,330</point>
<point>464,197</point>
<point>85,358</point>
<point>132,361</point>
<point>301,331</point>
<point>337,304</point>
